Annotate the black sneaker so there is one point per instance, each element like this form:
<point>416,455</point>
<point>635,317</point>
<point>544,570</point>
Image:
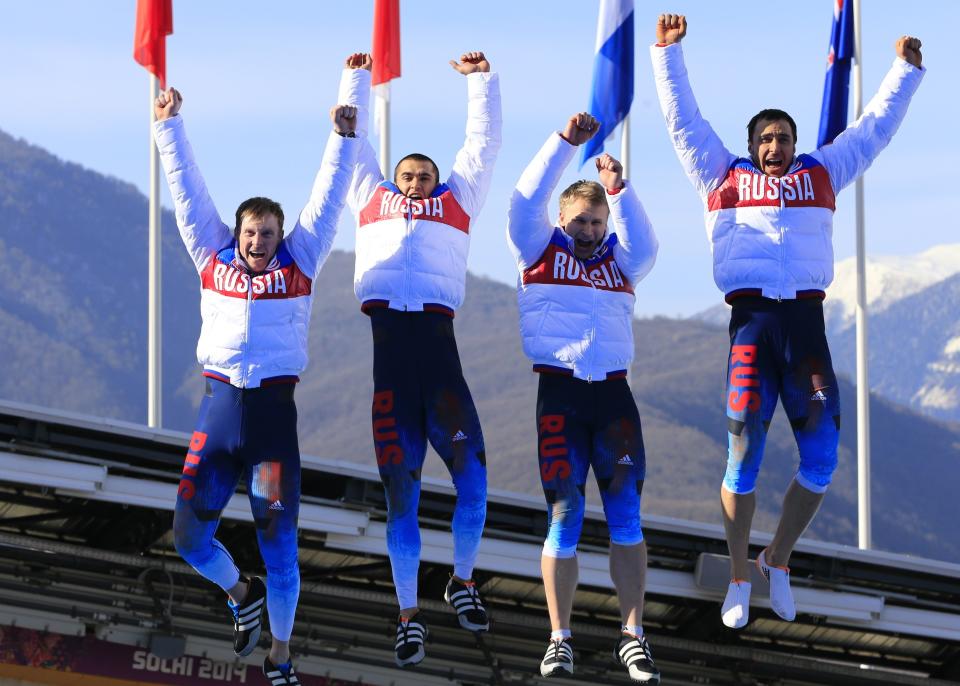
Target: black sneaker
<point>465,599</point>
<point>411,633</point>
<point>558,660</point>
<point>246,617</point>
<point>634,654</point>
<point>280,675</point>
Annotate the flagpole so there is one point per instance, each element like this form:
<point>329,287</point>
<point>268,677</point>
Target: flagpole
<point>383,102</point>
<point>625,145</point>
<point>154,395</point>
<point>625,161</point>
<point>863,387</point>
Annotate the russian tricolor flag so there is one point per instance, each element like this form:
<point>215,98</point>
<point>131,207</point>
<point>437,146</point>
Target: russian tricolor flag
<point>612,91</point>
<point>836,88</point>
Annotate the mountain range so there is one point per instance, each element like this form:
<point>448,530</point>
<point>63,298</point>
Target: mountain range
<point>73,326</point>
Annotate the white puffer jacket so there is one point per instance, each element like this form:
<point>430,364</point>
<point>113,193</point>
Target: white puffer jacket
<point>769,233</point>
<point>254,326</point>
<point>412,254</point>
<point>576,315</point>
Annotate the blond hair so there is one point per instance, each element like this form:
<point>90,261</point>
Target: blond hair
<point>591,191</point>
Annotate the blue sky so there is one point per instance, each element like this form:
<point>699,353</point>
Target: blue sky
<point>258,81</point>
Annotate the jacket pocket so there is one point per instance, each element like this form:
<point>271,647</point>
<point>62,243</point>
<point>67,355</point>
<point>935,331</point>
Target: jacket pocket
<point>543,322</point>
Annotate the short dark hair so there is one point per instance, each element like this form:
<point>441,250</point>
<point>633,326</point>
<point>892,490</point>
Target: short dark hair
<point>417,157</point>
<point>771,115</point>
<point>258,208</point>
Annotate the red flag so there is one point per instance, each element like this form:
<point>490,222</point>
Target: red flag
<point>386,40</point>
<point>154,24</point>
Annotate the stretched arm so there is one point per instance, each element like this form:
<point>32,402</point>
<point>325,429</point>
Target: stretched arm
<point>312,238</point>
<point>854,150</point>
<point>702,154</point>
<point>355,90</point>
<point>473,166</point>
<point>202,230</point>
<point>636,248</point>
<point>528,224</point>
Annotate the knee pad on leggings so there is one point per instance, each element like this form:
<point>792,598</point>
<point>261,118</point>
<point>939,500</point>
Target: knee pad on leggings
<point>195,543</point>
<point>818,453</point>
<point>471,485</point>
<point>623,518</point>
<point>745,445</point>
<point>566,522</point>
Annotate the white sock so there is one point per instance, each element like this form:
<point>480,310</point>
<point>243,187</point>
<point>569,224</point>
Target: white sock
<point>559,634</point>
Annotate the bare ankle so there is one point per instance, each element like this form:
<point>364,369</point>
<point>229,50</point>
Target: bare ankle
<point>238,593</point>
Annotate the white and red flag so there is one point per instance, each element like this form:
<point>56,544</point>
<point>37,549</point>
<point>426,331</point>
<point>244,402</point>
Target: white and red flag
<point>386,41</point>
<point>154,24</point>
<point>386,67</point>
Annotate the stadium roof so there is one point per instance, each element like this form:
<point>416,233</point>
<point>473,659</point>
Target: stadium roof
<point>85,516</point>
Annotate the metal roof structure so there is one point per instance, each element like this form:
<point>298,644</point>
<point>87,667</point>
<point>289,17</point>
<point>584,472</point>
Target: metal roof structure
<point>85,516</point>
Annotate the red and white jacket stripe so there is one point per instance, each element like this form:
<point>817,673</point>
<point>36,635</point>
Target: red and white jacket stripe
<point>412,254</point>
<point>576,315</point>
<point>254,325</point>
<point>769,233</point>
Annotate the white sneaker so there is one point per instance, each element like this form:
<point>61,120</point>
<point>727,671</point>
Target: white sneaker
<point>781,597</point>
<point>736,606</point>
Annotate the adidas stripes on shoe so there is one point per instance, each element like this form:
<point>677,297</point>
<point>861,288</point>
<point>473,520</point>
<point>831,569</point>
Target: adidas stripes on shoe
<point>558,660</point>
<point>411,634</point>
<point>781,597</point>
<point>246,617</point>
<point>465,599</point>
<point>280,675</point>
<point>634,654</point>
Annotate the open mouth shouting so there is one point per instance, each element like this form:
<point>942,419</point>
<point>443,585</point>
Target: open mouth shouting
<point>774,165</point>
<point>584,247</point>
<point>258,240</point>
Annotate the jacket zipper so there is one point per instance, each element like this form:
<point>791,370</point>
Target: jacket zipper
<point>593,322</point>
<point>408,221</point>
<point>783,242</point>
<point>246,328</point>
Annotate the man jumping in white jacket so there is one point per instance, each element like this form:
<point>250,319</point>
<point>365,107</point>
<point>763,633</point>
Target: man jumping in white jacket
<point>576,297</point>
<point>769,219</point>
<point>413,235</point>
<point>256,291</point>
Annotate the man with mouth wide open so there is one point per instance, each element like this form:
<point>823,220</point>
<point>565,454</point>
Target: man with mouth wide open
<point>769,218</point>
<point>256,294</point>
<point>413,235</point>
<point>576,300</point>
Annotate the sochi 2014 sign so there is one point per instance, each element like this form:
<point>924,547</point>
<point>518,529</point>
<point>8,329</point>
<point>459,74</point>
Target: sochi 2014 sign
<point>27,649</point>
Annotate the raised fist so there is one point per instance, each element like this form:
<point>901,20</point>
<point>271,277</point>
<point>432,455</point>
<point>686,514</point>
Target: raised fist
<point>167,104</point>
<point>671,28</point>
<point>611,172</point>
<point>471,62</point>
<point>344,118</point>
<point>908,48</point>
<point>359,60</point>
<point>580,128</point>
